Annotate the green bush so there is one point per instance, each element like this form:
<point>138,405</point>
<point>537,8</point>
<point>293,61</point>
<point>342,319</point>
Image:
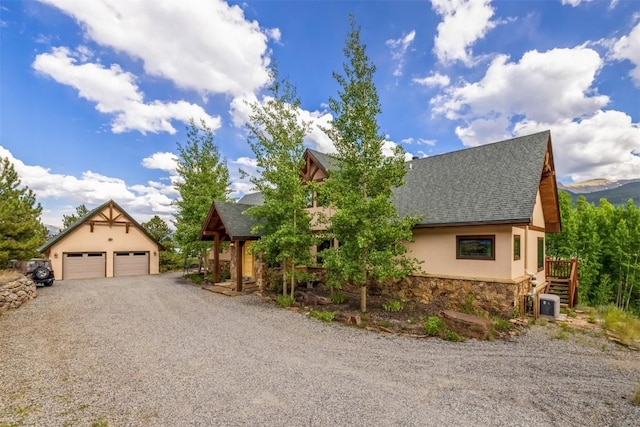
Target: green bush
<point>325,316</point>
<point>501,324</point>
<point>453,337</point>
<point>393,305</point>
<point>196,278</point>
<point>284,300</point>
<point>338,298</point>
<point>433,326</point>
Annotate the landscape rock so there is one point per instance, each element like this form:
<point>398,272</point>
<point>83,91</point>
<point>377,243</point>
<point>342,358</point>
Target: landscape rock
<point>467,325</point>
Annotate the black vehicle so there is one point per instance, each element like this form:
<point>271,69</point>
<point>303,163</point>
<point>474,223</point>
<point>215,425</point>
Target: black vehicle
<point>40,271</point>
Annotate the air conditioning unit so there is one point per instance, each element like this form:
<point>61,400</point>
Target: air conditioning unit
<point>549,306</point>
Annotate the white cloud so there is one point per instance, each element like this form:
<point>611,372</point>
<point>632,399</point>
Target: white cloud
<point>93,189</point>
<point>434,80</point>
<point>574,3</point>
<point>164,161</point>
<point>628,47</point>
<point>115,92</point>
<point>550,90</point>
<point>546,86</point>
<point>240,112</point>
<point>203,45</point>
<point>399,50</point>
<point>463,23</point>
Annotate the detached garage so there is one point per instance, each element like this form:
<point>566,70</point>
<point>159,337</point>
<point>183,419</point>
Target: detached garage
<point>106,242</point>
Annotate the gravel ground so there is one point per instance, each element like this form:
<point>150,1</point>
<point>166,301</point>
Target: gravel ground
<point>155,351</point>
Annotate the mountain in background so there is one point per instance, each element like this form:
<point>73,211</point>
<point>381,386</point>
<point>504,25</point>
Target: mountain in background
<point>52,230</point>
<point>616,192</point>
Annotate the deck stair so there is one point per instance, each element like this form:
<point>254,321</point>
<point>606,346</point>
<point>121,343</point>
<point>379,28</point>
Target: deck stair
<point>562,277</point>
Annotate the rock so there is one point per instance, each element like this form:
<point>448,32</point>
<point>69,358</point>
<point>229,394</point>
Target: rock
<point>467,324</point>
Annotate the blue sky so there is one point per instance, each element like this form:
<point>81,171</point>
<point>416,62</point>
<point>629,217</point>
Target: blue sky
<point>94,95</point>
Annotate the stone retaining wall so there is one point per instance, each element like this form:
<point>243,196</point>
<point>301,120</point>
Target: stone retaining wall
<point>15,293</point>
<point>469,295</point>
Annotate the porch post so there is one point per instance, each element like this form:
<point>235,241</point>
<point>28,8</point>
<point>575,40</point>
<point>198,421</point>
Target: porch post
<point>216,258</point>
<point>239,245</point>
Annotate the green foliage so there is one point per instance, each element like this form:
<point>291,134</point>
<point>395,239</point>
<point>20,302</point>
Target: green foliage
<point>159,229</point>
<point>338,298</point>
<point>196,278</point>
<point>393,305</point>
<point>276,136</point>
<point>468,306</point>
<point>285,300</point>
<point>21,232</point>
<point>366,222</point>
<point>606,240</point>
<point>501,324</point>
<point>434,326</point>
<point>81,211</point>
<point>325,316</point>
<point>204,178</point>
<point>453,337</point>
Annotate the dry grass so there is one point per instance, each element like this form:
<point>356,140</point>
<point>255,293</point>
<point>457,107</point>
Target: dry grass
<point>8,275</point>
<point>625,325</point>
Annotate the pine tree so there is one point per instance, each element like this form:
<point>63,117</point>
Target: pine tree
<point>67,220</point>
<point>21,232</point>
<point>366,222</point>
<point>276,136</point>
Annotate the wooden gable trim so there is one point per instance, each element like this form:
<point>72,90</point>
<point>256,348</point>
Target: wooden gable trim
<point>311,167</point>
<point>549,193</point>
<point>214,227</point>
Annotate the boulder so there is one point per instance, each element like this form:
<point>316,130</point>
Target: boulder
<point>467,325</point>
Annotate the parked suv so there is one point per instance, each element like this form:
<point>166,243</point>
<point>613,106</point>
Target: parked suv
<point>40,271</point>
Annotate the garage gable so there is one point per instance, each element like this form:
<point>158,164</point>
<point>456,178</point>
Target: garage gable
<point>108,230</point>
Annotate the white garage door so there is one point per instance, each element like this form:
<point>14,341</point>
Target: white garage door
<point>83,265</point>
<point>130,263</point>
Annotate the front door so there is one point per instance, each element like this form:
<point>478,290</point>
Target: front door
<point>247,260</point>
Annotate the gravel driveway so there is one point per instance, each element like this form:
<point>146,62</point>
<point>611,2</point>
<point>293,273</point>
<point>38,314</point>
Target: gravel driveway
<point>156,351</point>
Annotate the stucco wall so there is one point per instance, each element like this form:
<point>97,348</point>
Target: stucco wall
<point>436,248</point>
<point>104,238</point>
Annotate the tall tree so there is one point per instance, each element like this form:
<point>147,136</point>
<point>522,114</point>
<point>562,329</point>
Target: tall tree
<point>159,229</point>
<point>21,231</point>
<point>67,220</point>
<point>204,178</point>
<point>276,136</point>
<point>366,222</point>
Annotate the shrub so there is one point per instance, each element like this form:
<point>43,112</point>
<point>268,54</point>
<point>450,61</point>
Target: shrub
<point>325,316</point>
<point>433,326</point>
<point>453,337</point>
<point>624,324</point>
<point>196,278</point>
<point>393,305</point>
<point>338,298</point>
<point>284,300</point>
<point>501,324</point>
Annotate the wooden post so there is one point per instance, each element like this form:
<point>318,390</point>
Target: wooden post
<point>216,258</point>
<point>239,245</point>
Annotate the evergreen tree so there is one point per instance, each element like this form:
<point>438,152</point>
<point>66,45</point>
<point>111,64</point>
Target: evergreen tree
<point>67,220</point>
<point>204,178</point>
<point>21,232</point>
<point>366,222</point>
<point>276,136</point>
<point>159,229</point>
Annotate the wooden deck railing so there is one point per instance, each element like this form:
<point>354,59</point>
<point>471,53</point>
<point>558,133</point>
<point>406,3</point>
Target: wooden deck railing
<point>562,276</point>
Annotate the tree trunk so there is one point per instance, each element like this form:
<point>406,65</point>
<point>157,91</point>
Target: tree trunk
<point>363,298</point>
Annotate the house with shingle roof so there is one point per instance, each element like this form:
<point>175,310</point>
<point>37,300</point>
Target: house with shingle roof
<point>484,214</point>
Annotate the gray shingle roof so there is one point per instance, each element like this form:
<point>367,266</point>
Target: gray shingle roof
<point>491,183</point>
<point>327,161</point>
<point>236,224</point>
<point>252,199</point>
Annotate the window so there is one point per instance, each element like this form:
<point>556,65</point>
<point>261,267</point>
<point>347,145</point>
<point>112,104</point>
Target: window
<point>540,253</point>
<point>476,247</point>
<point>516,247</point>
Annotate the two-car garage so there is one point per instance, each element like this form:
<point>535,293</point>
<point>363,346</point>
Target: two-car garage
<point>106,242</point>
<point>84,265</point>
